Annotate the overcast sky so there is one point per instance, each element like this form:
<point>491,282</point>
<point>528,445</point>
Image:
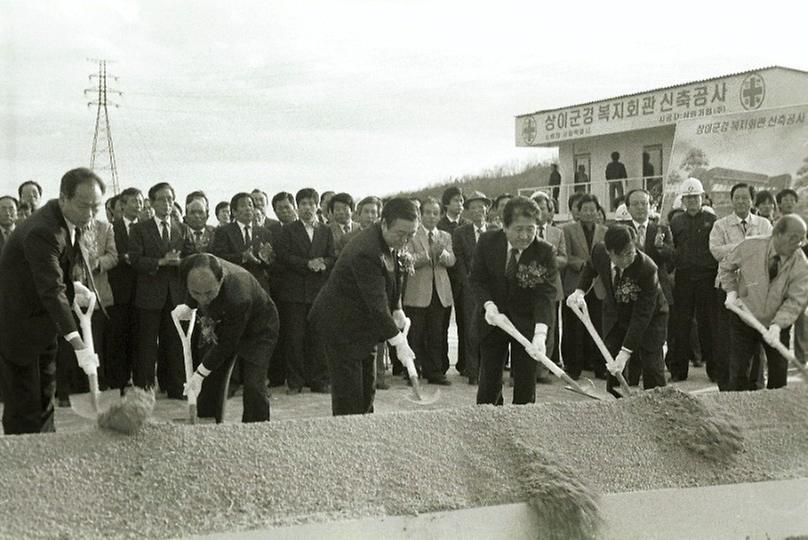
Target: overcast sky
<point>361,96</point>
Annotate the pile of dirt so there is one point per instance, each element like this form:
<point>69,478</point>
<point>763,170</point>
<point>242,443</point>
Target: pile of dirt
<point>176,480</point>
<point>130,414</point>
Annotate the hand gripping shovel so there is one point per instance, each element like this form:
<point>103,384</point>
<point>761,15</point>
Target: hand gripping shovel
<point>179,314</point>
<point>89,405</point>
<point>419,397</point>
<point>740,309</point>
<point>583,313</point>
<point>504,323</point>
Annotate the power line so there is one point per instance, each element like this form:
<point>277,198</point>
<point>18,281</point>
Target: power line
<point>103,133</point>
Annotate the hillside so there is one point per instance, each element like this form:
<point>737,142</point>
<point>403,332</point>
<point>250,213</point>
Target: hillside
<point>491,182</point>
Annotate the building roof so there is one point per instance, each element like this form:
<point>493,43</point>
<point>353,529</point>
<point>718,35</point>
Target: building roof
<point>664,88</point>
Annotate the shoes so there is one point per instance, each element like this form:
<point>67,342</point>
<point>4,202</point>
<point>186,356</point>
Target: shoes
<point>321,389</point>
<point>294,390</point>
<point>678,378</point>
<point>473,379</point>
<point>177,396</point>
<point>544,379</point>
<point>697,362</point>
<point>442,381</point>
<point>574,376</point>
<point>381,385</point>
<point>64,403</point>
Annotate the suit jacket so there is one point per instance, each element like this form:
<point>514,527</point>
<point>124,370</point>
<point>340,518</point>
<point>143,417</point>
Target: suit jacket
<point>555,237</point>
<point>206,240</point>
<point>354,307</point>
<point>639,316</point>
<point>301,284</point>
<point>343,240</point>
<point>524,303</point>
<point>418,292</point>
<point>102,256</point>
<point>122,277</point>
<point>157,285</point>
<point>663,257</point>
<point>243,319</point>
<point>228,244</point>
<point>578,254</point>
<point>35,295</point>
<point>3,240</point>
<point>454,275</point>
<point>464,243</point>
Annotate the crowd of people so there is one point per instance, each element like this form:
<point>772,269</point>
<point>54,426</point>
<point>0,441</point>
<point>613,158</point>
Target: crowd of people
<point>319,297</point>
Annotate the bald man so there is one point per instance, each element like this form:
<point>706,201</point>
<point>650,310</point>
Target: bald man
<point>770,276</point>
<point>239,320</point>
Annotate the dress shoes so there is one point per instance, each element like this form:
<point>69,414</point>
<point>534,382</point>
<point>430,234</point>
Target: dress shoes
<point>320,389</point>
<point>442,381</point>
<point>473,379</point>
<point>678,378</point>
<point>544,379</point>
<point>381,385</point>
<point>64,403</point>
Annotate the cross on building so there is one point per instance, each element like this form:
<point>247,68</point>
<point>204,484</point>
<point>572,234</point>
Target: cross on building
<point>752,93</point>
<point>529,131</point>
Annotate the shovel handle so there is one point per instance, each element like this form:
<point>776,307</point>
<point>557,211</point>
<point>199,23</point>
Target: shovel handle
<point>583,314</point>
<point>187,356</point>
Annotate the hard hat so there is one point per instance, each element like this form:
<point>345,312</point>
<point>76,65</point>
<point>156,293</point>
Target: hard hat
<point>691,186</point>
<point>621,214</point>
<point>477,196</point>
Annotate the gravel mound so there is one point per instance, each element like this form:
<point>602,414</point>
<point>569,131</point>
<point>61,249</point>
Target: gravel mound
<point>128,415</point>
<point>170,480</point>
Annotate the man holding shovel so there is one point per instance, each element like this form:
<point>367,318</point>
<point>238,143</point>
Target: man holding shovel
<point>238,319</point>
<point>36,293</point>
<point>635,312</point>
<point>769,276</point>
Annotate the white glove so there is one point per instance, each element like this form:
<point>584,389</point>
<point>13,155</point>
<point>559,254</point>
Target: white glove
<point>83,295</point>
<point>732,299</point>
<point>619,362</point>
<point>491,313</point>
<point>404,353</point>
<point>194,385</point>
<point>772,335</point>
<point>400,318</point>
<point>182,312</point>
<point>88,360</point>
<point>576,299</point>
<point>540,338</point>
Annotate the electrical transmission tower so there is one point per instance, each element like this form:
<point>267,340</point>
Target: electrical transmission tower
<point>102,140</point>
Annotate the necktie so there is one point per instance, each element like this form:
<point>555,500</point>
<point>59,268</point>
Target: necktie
<point>78,254</point>
<point>165,234</point>
<point>617,274</point>
<point>510,268</point>
<point>247,237</point>
<point>541,232</point>
<point>198,239</point>
<point>773,267</point>
<point>743,226</point>
<point>346,229</point>
<point>641,235</point>
<point>477,232</point>
<point>431,243</point>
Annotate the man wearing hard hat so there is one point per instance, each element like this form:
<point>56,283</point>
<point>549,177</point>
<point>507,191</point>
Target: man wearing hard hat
<point>694,290</point>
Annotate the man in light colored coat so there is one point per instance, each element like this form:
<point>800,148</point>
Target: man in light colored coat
<point>428,294</point>
<point>770,276</point>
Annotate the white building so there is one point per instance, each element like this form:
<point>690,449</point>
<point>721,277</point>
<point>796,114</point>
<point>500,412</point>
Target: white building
<point>645,123</point>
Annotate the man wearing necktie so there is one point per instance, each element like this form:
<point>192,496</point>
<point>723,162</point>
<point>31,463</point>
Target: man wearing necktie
<point>197,212</point>
<point>514,274</point>
<point>464,242</point>
<point>36,294</point>
<point>770,276</point>
<point>340,208</point>
<point>8,218</point>
<point>156,247</point>
<point>727,233</point>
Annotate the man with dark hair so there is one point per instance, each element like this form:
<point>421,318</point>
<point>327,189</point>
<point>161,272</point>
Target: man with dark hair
<point>24,211</point>
<point>615,172</point>
<point>243,243</point>
<point>787,200</point>
<point>240,323</point>
<point>770,276</point>
<point>30,193</point>
<point>324,210</point>
<point>260,201</point>
<point>495,215</point>
<point>8,218</point>
<point>765,205</point>
<point>513,274</point>
<point>196,219</point>
<point>306,255</point>
<point>577,347</point>
<point>223,213</point>
<point>635,312</point>
<point>360,306</point>
<point>340,208</point>
<point>572,204</point>
<point>38,263</point>
<point>283,204</point>
<point>122,279</point>
<point>109,206</point>
<point>464,242</point>
<point>156,247</point>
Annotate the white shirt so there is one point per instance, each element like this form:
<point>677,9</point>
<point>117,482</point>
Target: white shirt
<point>243,227</point>
<point>71,229</point>
<point>127,223</point>
<point>478,231</point>
<point>641,240</point>
<point>309,229</point>
<point>159,222</point>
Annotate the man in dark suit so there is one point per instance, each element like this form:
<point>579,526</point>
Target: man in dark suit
<point>464,241</point>
<point>122,279</point>
<point>156,247</point>
<point>239,320</point>
<point>452,200</point>
<point>260,201</point>
<point>513,274</point>
<point>340,208</point>
<point>360,306</point>
<point>635,312</point>
<point>8,218</point>
<point>305,258</point>
<point>36,292</point>
<point>197,212</point>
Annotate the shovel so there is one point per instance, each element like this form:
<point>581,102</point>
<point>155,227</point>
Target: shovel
<point>412,372</point>
<point>505,324</point>
<point>187,356</point>
<point>740,309</point>
<point>583,313</point>
<point>89,405</point>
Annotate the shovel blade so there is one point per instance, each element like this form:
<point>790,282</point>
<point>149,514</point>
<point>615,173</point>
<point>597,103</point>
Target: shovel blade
<point>83,404</point>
